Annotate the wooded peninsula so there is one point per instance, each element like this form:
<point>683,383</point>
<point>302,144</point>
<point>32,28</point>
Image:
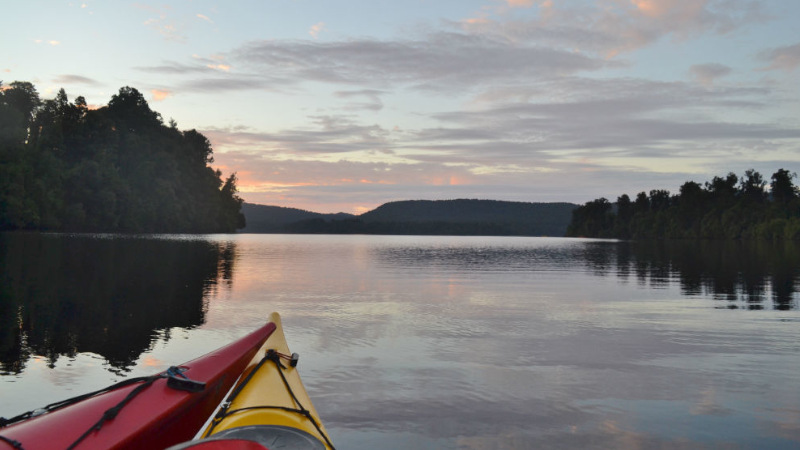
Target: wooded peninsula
<point>117,168</point>
<point>725,208</point>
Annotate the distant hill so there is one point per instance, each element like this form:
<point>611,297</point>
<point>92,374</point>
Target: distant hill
<point>420,217</point>
<point>275,219</point>
<point>464,216</point>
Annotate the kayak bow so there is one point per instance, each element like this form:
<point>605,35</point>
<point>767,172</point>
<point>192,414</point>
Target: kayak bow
<point>269,405</point>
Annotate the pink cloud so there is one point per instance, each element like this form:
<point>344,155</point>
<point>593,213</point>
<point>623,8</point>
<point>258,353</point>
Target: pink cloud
<point>160,94</point>
<point>520,3</point>
<point>613,27</point>
<point>782,58</point>
<point>222,67</point>
<point>316,29</point>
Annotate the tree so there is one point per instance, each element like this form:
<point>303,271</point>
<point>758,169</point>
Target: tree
<point>692,197</point>
<point>752,185</point>
<point>230,216</point>
<point>129,106</point>
<point>624,207</point>
<point>642,203</point>
<point>12,124</point>
<point>116,168</point>
<point>22,97</point>
<point>721,211</point>
<point>659,199</point>
<point>592,219</point>
<point>782,188</point>
<point>197,148</point>
<point>723,188</point>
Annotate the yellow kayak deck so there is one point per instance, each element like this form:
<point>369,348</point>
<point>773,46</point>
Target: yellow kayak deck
<point>269,396</point>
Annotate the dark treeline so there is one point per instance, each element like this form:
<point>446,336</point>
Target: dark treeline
<point>725,208</point>
<point>66,167</point>
<point>276,219</point>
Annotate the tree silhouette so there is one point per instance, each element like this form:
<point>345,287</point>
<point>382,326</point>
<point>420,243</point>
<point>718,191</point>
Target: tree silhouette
<point>115,168</point>
<point>720,211</point>
<point>782,187</point>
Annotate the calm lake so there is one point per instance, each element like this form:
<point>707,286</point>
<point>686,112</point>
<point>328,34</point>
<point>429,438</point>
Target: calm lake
<point>432,342</point>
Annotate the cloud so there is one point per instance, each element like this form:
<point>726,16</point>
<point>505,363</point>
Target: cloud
<point>200,64</point>
<point>782,58</point>
<point>232,83</point>
<point>325,135</point>
<point>168,30</point>
<point>526,100</point>
<point>162,24</point>
<point>520,3</point>
<point>316,29</point>
<point>611,119</point>
<point>76,79</point>
<point>175,68</point>
<point>615,27</point>
<point>50,42</point>
<point>160,94</point>
<point>619,135</point>
<point>707,74</point>
<point>440,61</point>
<point>204,17</point>
<point>222,67</point>
<point>372,96</point>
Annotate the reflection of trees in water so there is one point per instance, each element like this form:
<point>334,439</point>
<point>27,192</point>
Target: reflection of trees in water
<point>745,274</point>
<point>62,295</point>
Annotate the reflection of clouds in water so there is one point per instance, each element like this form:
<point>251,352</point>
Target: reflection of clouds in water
<point>786,423</point>
<point>480,344</point>
<point>493,254</point>
<point>707,404</point>
<point>440,342</point>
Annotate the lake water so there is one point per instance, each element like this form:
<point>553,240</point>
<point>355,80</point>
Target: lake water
<point>432,342</point>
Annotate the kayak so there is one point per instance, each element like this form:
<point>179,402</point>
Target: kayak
<point>151,412</point>
<point>267,408</point>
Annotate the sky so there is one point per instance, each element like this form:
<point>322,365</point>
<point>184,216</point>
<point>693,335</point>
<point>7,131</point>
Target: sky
<point>341,106</point>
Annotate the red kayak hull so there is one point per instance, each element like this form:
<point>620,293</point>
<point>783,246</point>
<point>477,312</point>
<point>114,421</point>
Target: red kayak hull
<point>158,417</point>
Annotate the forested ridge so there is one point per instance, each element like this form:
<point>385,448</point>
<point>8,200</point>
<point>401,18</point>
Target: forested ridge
<point>467,217</point>
<point>277,219</point>
<point>117,168</point>
<point>727,207</point>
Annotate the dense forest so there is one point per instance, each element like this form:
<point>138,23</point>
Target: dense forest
<point>466,217</point>
<point>727,207</point>
<point>118,168</point>
<point>277,219</point>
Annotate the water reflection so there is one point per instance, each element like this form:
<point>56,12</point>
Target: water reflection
<point>466,342</point>
<point>108,295</point>
<point>750,275</point>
